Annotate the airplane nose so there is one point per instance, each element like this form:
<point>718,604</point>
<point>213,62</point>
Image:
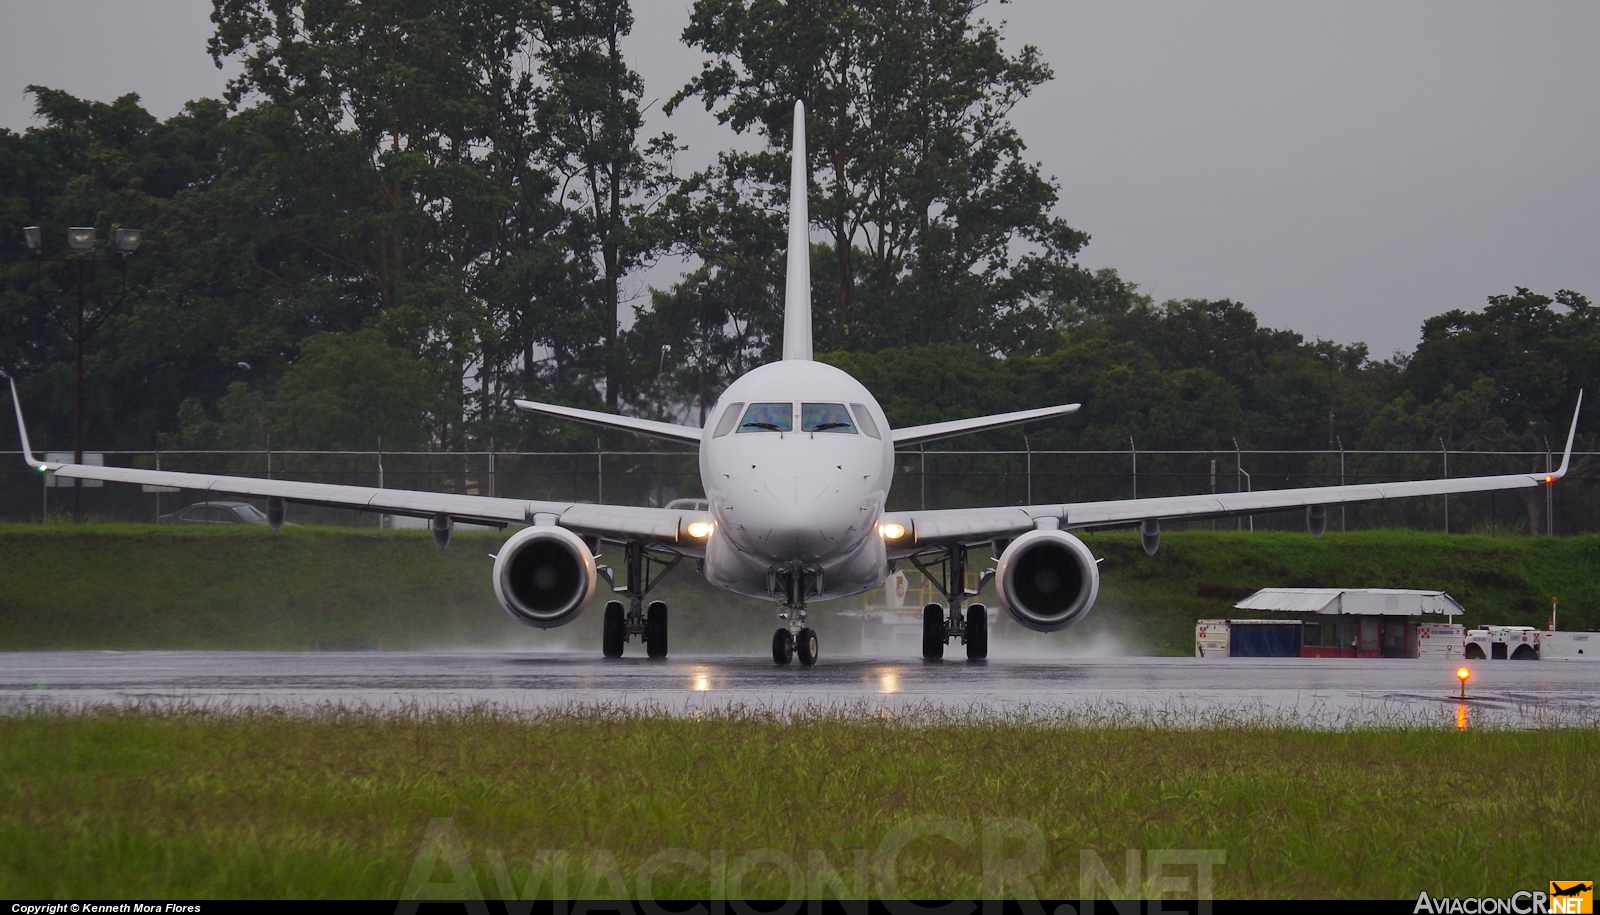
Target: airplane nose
<point>799,519</point>
<point>796,492</point>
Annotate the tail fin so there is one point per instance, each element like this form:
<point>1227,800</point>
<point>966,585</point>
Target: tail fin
<point>797,285</point>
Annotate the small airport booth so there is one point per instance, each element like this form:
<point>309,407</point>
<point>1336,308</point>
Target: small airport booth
<point>1337,623</point>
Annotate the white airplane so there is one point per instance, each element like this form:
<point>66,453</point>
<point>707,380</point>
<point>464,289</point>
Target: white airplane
<point>796,465</point>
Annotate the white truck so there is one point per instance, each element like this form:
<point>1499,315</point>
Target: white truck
<point>1499,643</point>
<point>1525,643</point>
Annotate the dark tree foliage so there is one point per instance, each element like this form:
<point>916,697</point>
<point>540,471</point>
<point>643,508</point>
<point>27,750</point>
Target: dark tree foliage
<point>464,179</point>
<point>1533,357</point>
<point>195,307</point>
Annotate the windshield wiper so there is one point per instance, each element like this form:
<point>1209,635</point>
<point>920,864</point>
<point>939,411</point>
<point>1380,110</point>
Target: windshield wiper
<point>770,427</point>
<point>823,427</point>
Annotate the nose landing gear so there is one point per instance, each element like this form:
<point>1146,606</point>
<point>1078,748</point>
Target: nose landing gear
<point>794,584</point>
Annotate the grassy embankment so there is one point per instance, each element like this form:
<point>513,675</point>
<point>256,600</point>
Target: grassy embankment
<point>184,804</point>
<point>131,587</point>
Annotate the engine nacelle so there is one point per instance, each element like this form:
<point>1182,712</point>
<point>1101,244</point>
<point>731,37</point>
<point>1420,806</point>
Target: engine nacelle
<point>543,576</point>
<point>1047,580</point>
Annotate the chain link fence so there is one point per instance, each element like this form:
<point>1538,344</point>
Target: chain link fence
<point>923,479</point>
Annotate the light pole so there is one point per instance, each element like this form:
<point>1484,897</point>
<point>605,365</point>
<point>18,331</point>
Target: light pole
<point>80,239</point>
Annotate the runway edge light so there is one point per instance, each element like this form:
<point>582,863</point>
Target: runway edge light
<point>1462,674</point>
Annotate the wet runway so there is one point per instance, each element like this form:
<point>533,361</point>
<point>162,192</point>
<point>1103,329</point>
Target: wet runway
<point>1176,691</point>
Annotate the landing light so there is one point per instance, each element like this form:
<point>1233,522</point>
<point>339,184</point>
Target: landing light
<point>699,530</point>
<point>892,531</point>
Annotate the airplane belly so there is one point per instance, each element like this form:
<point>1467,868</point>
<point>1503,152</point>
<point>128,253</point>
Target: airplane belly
<point>844,573</point>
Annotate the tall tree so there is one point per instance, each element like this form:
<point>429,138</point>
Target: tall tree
<point>1535,356</point>
<point>590,117</point>
<point>380,117</point>
<point>724,317</point>
<point>940,230</point>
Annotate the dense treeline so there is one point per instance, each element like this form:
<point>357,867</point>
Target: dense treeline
<point>406,213</point>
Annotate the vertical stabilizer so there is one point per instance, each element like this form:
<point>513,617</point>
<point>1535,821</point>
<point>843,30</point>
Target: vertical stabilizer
<point>797,285</point>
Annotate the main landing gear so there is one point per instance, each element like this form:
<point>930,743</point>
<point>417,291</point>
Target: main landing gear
<point>946,569</point>
<point>795,584</point>
<point>644,571</point>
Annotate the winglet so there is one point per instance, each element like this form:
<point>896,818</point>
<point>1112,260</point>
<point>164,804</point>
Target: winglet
<point>797,283</point>
<point>22,430</point>
<point>1572,433</point>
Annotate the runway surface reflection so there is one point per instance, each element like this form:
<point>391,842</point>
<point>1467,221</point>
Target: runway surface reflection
<point>1176,691</point>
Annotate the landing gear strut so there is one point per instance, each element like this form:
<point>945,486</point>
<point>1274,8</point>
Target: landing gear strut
<point>643,571</point>
<point>946,570</point>
<point>794,584</point>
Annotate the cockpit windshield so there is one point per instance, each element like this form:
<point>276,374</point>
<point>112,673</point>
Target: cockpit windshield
<point>768,417</point>
<point>825,417</point>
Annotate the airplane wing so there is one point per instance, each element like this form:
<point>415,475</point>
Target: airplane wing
<point>688,435</point>
<point>607,522</point>
<point>913,435</point>
<point>975,525</point>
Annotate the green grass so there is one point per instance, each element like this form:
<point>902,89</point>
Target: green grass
<point>127,587</point>
<point>140,586</point>
<point>130,587</point>
<point>153,804</point>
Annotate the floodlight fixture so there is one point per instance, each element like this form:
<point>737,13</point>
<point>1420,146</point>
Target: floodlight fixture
<point>30,234</point>
<point>80,238</point>
<point>128,240</point>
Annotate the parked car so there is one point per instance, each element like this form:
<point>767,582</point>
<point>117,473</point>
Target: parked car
<point>216,513</point>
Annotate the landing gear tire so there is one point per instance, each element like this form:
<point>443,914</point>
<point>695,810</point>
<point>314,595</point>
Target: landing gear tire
<point>932,632</point>
<point>614,631</point>
<point>806,647</point>
<point>977,633</point>
<point>655,630</point>
<point>782,647</point>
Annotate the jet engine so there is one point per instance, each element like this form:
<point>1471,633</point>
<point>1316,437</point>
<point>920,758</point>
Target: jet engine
<point>1047,580</point>
<point>543,576</point>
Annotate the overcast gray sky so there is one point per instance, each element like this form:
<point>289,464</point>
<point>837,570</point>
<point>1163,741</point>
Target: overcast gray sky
<point>1345,169</point>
